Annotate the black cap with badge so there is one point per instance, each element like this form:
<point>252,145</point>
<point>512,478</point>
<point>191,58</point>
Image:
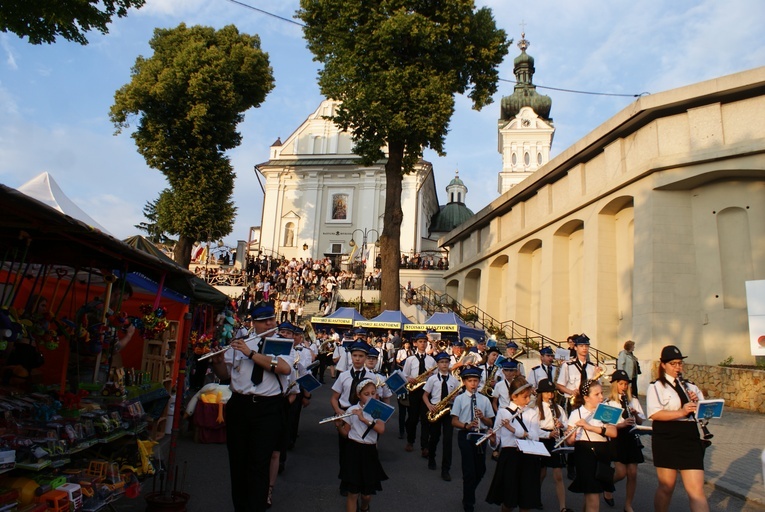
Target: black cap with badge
<point>671,353</point>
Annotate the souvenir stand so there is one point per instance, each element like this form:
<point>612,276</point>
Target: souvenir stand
<point>75,426</point>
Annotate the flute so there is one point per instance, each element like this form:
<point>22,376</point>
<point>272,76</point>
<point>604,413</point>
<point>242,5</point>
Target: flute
<point>333,418</point>
<point>571,430</point>
<point>261,335</point>
<point>491,431</point>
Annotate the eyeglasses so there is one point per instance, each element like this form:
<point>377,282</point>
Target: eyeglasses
<point>675,363</point>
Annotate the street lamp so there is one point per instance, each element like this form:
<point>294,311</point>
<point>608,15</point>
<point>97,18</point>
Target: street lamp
<point>365,234</point>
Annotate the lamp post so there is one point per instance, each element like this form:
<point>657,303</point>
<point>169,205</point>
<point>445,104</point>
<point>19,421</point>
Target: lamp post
<point>365,234</point>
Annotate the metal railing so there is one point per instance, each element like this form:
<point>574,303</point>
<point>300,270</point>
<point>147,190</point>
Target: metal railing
<point>432,301</point>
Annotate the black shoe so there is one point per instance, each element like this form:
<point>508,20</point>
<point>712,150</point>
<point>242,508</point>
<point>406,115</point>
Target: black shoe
<point>431,464</point>
<point>609,501</point>
<point>446,476</point>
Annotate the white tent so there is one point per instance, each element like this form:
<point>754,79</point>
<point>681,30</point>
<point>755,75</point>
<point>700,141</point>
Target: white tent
<point>45,189</point>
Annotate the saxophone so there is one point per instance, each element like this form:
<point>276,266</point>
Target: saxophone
<point>488,386</point>
<point>419,381</point>
<point>597,376</point>
<point>443,407</point>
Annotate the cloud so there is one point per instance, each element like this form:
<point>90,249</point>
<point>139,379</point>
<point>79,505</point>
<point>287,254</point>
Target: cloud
<point>10,59</point>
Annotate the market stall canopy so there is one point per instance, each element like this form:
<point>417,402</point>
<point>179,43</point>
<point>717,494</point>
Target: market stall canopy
<point>388,319</point>
<point>45,189</point>
<point>448,323</point>
<point>196,288</point>
<point>343,316</point>
<point>33,232</point>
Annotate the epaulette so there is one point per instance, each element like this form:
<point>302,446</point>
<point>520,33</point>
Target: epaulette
<point>571,362</point>
<point>537,366</point>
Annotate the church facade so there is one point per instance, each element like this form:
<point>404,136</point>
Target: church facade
<point>319,197</point>
<point>647,229</point>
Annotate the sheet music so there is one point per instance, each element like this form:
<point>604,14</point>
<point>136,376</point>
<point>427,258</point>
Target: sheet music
<point>533,447</point>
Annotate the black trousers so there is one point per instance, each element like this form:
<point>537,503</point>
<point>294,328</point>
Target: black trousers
<point>473,466</point>
<point>417,416</point>
<point>253,429</point>
<point>442,425</point>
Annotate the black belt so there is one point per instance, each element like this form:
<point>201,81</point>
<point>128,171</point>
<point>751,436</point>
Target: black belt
<point>258,399</point>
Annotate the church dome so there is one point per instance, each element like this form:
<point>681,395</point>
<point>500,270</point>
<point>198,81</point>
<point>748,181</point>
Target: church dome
<point>456,181</point>
<point>525,92</point>
<point>449,217</point>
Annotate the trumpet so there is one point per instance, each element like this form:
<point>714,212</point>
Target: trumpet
<point>491,431</point>
<point>570,430</point>
<point>337,417</point>
<point>419,381</point>
<point>443,407</point>
<point>256,336</point>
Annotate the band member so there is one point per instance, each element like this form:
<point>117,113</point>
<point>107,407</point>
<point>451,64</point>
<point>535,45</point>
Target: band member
<point>545,370</point>
<point>416,365</point>
<point>677,446</point>
<point>490,370</point>
<point>629,449</point>
<point>360,468</point>
<point>516,478</point>
<point>344,392</point>
<point>502,391</point>
<point>552,423</point>
<point>458,348</point>
<point>372,362</point>
<point>574,373</point>
<point>436,389</point>
<point>403,398</point>
<point>255,417</point>
<point>470,413</point>
<point>510,350</point>
<point>590,440</point>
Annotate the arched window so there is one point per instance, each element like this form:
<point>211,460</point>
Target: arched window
<point>527,158</point>
<point>289,235</point>
<point>459,197</point>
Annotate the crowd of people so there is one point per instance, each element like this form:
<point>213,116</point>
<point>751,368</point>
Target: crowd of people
<point>472,392</point>
<point>424,261</point>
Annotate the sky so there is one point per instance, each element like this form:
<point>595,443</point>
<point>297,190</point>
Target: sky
<point>55,99</point>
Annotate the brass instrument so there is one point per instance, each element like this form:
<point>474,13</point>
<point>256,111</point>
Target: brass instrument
<point>488,386</point>
<point>597,376</point>
<point>419,381</point>
<point>443,407</point>
<point>441,346</point>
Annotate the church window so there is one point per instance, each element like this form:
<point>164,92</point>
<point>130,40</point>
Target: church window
<point>515,159</point>
<point>527,158</point>
<point>459,197</point>
<point>539,158</point>
<point>289,234</point>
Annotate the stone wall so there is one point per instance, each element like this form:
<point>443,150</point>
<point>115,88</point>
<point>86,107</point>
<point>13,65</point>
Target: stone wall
<point>741,388</point>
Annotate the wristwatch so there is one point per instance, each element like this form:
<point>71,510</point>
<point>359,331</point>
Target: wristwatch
<point>274,363</point>
<point>252,353</point>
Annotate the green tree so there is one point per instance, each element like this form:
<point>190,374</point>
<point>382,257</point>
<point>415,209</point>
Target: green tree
<point>396,66</point>
<point>43,20</point>
<point>189,98</point>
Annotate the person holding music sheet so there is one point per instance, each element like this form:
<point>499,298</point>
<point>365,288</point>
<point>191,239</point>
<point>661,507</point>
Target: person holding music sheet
<point>437,387</point>
<point>676,443</point>
<point>471,412</point>
<point>516,478</point>
<point>590,440</point>
<point>416,365</point>
<point>344,392</point>
<point>255,415</point>
<point>545,370</point>
<point>629,449</point>
<point>372,362</point>
<point>552,422</point>
<point>360,468</point>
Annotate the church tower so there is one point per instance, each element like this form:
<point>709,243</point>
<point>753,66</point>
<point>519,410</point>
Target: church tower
<point>525,126</point>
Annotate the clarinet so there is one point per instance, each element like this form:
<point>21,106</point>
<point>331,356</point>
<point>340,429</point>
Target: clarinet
<point>627,414</point>
<point>706,434</point>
